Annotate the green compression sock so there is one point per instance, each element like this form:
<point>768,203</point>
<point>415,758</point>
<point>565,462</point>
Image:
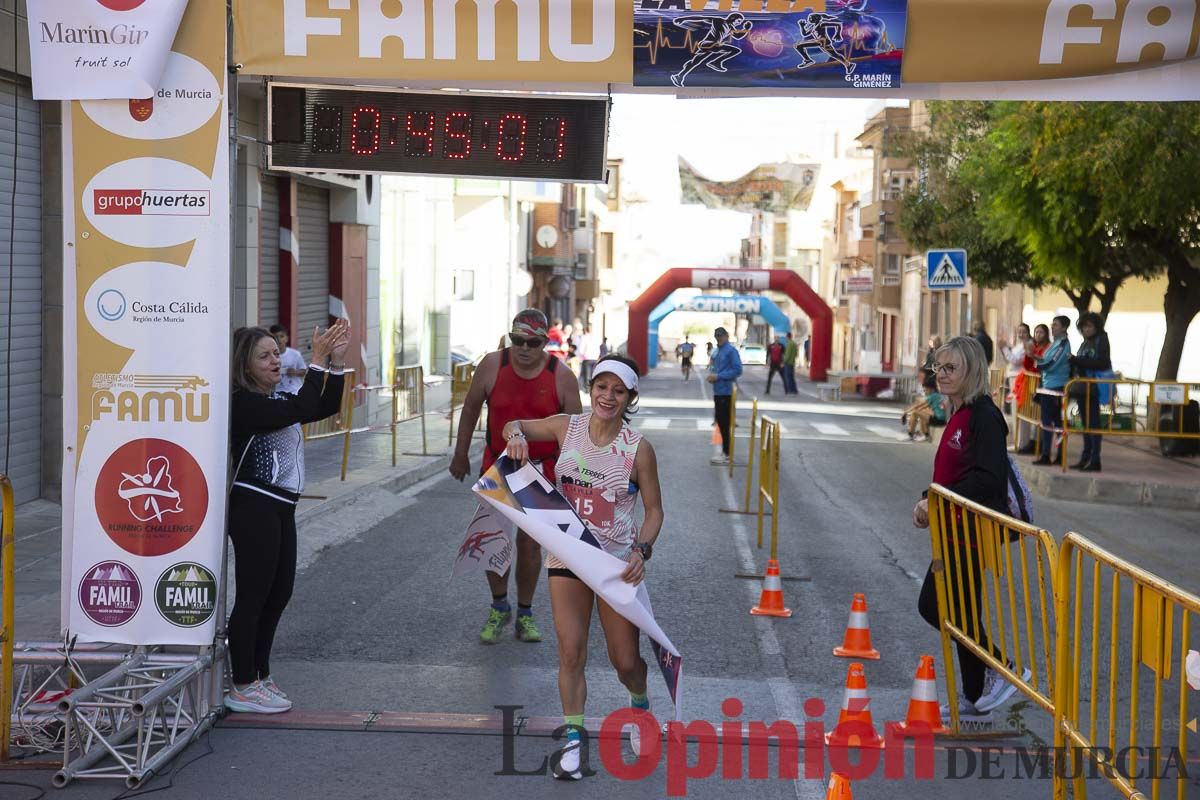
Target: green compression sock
<point>573,719</point>
<point>641,701</point>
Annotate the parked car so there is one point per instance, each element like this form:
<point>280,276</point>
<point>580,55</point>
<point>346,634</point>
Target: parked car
<point>753,354</point>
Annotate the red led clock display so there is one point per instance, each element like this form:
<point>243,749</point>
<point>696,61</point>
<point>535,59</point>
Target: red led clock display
<point>384,131</point>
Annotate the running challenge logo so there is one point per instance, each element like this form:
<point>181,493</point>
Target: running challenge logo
<point>151,497</point>
<point>152,202</point>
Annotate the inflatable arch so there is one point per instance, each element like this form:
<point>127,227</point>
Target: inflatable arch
<point>737,280</point>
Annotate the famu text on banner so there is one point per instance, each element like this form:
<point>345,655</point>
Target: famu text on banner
<point>536,40</point>
<point>100,49</point>
<point>529,501</point>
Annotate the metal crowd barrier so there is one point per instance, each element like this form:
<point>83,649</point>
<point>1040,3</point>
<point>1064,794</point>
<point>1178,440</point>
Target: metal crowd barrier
<point>460,382</point>
<point>8,629</point>
<point>1134,409</point>
<point>1014,607</point>
<point>733,431</point>
<point>338,424</point>
<point>768,479</point>
<point>745,509</point>
<point>1027,409</point>
<point>1111,682</point>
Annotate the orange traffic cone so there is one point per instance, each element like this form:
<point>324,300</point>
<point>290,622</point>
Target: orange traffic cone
<point>923,711</point>
<point>857,642</point>
<point>856,707</point>
<point>770,602</point>
<point>839,788</point>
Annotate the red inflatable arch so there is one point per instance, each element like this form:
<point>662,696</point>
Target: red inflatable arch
<point>738,280</point>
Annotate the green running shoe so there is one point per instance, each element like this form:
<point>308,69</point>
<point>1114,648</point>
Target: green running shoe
<point>527,629</point>
<point>495,624</point>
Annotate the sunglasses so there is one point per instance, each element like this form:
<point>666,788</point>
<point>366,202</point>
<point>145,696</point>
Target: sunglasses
<point>944,369</point>
<point>532,342</point>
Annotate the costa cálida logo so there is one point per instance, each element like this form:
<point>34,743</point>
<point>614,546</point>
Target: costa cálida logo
<point>152,202</point>
<point>151,497</point>
<point>110,593</point>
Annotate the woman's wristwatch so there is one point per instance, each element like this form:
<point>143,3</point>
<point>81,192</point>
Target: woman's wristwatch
<point>644,548</point>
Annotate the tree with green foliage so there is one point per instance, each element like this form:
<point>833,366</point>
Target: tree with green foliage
<point>1091,193</point>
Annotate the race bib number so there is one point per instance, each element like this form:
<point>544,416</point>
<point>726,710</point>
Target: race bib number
<point>590,504</point>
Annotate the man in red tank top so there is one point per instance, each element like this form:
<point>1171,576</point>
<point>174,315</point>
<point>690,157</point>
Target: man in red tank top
<point>522,381</point>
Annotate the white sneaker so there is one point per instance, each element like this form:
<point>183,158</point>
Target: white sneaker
<point>997,690</point>
<point>255,699</point>
<point>271,686</point>
<point>568,765</point>
<point>719,461</point>
<point>968,713</point>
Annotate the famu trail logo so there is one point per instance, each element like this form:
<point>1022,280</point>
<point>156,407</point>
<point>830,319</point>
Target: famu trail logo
<point>110,594</point>
<point>186,594</point>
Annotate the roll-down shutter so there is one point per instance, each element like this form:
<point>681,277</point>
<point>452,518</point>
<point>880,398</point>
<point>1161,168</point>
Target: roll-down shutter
<point>268,252</point>
<point>313,301</point>
<point>21,311</point>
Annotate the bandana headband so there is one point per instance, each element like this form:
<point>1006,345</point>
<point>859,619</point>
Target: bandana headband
<point>527,324</point>
<point>622,371</point>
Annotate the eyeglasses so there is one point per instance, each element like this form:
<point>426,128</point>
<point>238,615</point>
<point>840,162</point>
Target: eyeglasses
<point>945,369</point>
<point>533,342</point>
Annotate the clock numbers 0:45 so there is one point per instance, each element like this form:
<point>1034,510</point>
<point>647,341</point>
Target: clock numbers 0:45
<point>513,137</point>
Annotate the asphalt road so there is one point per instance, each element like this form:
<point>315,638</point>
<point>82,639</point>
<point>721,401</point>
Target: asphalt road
<point>376,625</point>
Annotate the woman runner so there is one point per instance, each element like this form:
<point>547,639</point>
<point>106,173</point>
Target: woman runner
<point>603,466</point>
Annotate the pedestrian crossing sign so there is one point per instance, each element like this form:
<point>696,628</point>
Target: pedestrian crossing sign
<point>946,269</point>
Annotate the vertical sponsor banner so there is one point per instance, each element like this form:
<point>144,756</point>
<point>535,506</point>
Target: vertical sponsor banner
<point>824,44</point>
<point>146,323</point>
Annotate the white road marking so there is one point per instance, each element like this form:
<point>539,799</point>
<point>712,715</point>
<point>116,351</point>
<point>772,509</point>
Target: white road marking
<point>655,424</point>
<point>830,429</point>
<point>888,433</point>
<point>703,424</point>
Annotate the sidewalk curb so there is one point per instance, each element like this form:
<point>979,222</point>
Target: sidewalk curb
<point>394,483</point>
<point>1057,486</point>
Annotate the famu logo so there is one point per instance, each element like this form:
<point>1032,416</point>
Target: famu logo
<point>186,594</point>
<point>152,202</point>
<point>110,593</point>
<point>149,398</point>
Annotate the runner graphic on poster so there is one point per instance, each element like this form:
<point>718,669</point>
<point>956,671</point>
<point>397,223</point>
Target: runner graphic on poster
<point>827,44</point>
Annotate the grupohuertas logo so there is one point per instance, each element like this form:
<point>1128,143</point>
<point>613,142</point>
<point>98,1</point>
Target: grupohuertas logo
<point>152,202</point>
<point>186,594</point>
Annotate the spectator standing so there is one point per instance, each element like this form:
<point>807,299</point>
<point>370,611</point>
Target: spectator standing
<point>775,364</point>
<point>927,366</point>
<point>1055,366</point>
<point>1092,361</point>
<point>724,368</point>
<point>1034,348</point>
<point>291,364</point>
<point>590,353</point>
<point>267,447</point>
<point>790,351</point>
<point>971,461</point>
<point>985,341</point>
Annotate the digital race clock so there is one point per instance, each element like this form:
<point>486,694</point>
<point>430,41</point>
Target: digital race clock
<point>515,136</point>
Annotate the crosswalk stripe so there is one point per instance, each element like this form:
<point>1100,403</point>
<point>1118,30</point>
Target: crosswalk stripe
<point>703,424</point>
<point>886,432</point>
<point>652,424</point>
<point>830,429</point>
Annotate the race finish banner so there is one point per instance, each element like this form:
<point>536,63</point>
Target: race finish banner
<point>823,44</point>
<point>98,49</point>
<point>570,40</point>
<point>777,188</point>
<point>146,361</point>
<point>531,503</point>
